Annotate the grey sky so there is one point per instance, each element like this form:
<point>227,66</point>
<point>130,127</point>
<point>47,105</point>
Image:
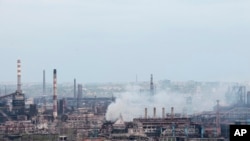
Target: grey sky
<point>113,40</point>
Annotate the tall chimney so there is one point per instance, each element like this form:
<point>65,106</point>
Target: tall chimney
<point>79,95</point>
<point>44,90</point>
<point>64,105</point>
<point>218,128</point>
<point>151,85</point>
<point>43,82</point>
<point>75,88</point>
<point>54,94</point>
<point>19,91</point>
<point>248,98</point>
<point>154,112</point>
<point>163,112</point>
<point>146,113</point>
<point>172,112</point>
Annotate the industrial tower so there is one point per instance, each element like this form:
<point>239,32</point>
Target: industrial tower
<point>151,85</point>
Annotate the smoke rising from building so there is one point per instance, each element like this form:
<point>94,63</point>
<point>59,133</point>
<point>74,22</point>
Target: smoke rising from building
<point>132,104</point>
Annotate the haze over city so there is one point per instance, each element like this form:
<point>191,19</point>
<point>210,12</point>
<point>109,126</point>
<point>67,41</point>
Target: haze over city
<point>113,41</point>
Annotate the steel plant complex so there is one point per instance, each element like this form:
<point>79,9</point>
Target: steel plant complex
<point>77,117</point>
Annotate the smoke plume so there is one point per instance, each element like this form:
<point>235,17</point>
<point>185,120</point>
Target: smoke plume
<point>131,104</point>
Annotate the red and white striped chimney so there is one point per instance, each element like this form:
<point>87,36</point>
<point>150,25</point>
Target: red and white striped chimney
<point>54,94</point>
<point>19,77</point>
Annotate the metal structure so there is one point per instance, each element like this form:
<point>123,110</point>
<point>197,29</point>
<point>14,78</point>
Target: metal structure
<point>237,95</point>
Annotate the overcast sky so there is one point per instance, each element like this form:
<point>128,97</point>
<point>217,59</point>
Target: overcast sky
<point>113,40</point>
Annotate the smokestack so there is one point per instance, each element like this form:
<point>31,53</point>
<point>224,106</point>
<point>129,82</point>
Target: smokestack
<point>163,112</point>
<point>218,117</point>
<point>79,91</point>
<point>151,85</point>
<point>248,98</point>
<point>146,113</point>
<point>19,77</point>
<point>172,112</point>
<point>154,112</point>
<point>64,105</point>
<point>54,94</point>
<point>79,95</point>
<point>75,88</point>
<point>44,88</point>
<point>43,82</point>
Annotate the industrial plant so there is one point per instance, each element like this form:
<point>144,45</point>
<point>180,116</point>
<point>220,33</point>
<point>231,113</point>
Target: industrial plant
<point>76,116</point>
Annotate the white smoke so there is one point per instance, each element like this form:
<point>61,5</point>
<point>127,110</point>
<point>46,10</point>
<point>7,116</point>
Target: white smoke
<point>131,104</point>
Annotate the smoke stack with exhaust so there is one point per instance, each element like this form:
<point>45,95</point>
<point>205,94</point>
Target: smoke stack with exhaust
<point>54,94</point>
<point>154,112</point>
<point>146,113</point>
<point>172,112</point>
<point>163,112</point>
<point>19,91</point>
